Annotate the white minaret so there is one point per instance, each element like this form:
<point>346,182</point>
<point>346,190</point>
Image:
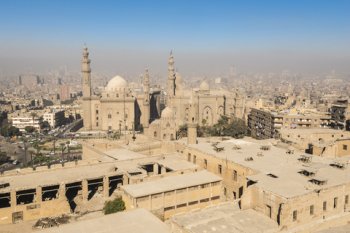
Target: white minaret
<point>171,77</point>
<point>86,73</point>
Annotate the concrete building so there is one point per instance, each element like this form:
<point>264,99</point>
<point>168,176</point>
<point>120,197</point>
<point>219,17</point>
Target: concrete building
<point>55,118</point>
<point>264,124</point>
<point>340,114</point>
<point>170,195</point>
<point>21,122</point>
<point>64,92</point>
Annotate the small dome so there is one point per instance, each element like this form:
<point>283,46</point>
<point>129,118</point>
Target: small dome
<point>116,83</point>
<point>167,113</point>
<point>204,86</point>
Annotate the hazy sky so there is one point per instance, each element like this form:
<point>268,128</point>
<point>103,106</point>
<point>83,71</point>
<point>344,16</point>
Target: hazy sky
<point>207,37</point>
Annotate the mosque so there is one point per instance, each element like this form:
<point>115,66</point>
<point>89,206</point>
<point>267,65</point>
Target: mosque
<point>120,108</point>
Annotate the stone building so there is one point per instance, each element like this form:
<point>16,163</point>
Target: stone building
<point>296,190</point>
<point>210,105</point>
<point>119,108</point>
<point>170,195</point>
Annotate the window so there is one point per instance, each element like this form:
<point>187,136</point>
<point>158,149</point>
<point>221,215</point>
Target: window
<point>295,215</point>
<point>335,203</point>
<point>194,159</point>
<point>234,175</point>
<point>181,205</point>
<point>205,163</point>
<point>193,203</point>
<point>96,124</point>
<point>220,169</point>
<point>324,206</point>
<point>169,208</point>
<point>96,111</point>
<point>225,191</point>
<point>345,147</point>
<point>312,209</point>
<point>189,157</point>
<point>109,116</point>
<point>346,199</point>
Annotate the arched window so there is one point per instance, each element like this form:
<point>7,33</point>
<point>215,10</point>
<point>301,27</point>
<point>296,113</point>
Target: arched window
<point>109,116</point>
<point>155,134</point>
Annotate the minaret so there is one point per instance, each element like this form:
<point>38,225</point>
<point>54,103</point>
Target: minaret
<point>146,103</point>
<point>86,73</point>
<point>171,77</point>
<point>192,123</point>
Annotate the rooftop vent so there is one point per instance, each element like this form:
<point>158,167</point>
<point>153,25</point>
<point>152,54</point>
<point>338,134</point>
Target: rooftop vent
<point>272,175</point>
<point>339,165</point>
<point>307,172</point>
<point>249,159</point>
<point>260,154</point>
<point>289,151</point>
<point>318,181</point>
<point>305,158</point>
<point>265,147</point>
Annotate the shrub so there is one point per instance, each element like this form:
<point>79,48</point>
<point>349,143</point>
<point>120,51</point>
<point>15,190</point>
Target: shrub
<point>114,206</point>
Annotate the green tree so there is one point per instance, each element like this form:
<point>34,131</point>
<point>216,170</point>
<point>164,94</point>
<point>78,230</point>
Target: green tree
<point>29,129</point>
<point>44,125</point>
<point>114,206</point>
<point>225,127</point>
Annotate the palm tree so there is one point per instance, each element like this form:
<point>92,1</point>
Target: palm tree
<point>62,149</point>
<point>68,150</point>
<point>25,148</point>
<point>33,115</point>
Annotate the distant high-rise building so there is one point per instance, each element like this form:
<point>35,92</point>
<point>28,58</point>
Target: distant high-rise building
<point>65,93</point>
<point>29,80</point>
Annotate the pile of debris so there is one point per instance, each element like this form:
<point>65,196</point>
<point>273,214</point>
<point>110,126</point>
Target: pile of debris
<point>51,222</point>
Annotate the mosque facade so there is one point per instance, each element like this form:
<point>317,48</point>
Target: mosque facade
<point>119,108</point>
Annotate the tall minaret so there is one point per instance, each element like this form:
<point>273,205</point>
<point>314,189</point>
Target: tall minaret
<point>146,103</point>
<point>171,77</point>
<point>86,73</point>
<point>192,123</point>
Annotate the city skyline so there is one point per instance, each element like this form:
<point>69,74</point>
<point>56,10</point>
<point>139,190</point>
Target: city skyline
<point>207,38</point>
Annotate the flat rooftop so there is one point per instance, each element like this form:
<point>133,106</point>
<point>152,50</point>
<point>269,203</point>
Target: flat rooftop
<point>69,174</point>
<point>225,218</point>
<point>275,169</point>
<point>133,221</point>
<point>170,183</point>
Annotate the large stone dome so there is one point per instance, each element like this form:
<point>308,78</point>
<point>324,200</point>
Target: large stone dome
<point>204,86</point>
<point>167,113</point>
<point>117,83</point>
